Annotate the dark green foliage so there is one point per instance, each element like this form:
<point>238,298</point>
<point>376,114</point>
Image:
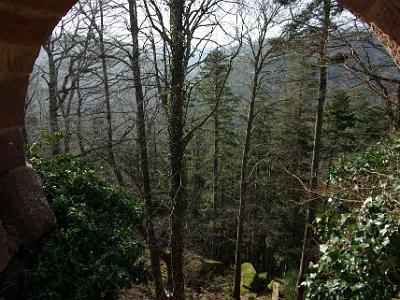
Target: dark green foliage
<point>260,283</point>
<point>340,123</point>
<point>359,238</point>
<point>92,252</point>
<point>214,146</point>
<point>289,284</point>
<point>357,261</point>
<point>352,123</point>
<point>212,266</point>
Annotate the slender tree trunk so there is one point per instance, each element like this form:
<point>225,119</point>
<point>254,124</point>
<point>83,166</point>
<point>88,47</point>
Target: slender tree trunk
<point>53,103</point>
<point>110,147</point>
<point>24,131</point>
<point>160,89</point>
<point>79,117</point>
<point>397,121</point>
<point>216,187</point>
<point>243,185</point>
<point>67,118</point>
<point>177,145</point>
<point>166,257</point>
<point>67,138</point>
<point>144,159</point>
<point>311,204</point>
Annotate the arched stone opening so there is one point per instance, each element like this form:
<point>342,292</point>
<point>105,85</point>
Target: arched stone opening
<point>25,25</point>
<point>24,213</point>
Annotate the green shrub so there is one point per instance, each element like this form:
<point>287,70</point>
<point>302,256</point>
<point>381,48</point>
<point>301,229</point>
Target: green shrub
<point>359,229</point>
<point>289,284</point>
<point>260,283</point>
<point>92,252</point>
<point>357,261</point>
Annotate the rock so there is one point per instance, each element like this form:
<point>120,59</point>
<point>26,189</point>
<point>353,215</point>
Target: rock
<point>271,285</point>
<point>25,215</point>
<point>248,275</point>
<point>275,290</point>
<point>5,256</point>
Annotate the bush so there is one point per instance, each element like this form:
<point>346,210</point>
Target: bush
<point>260,283</point>
<point>92,253</point>
<point>357,261</point>
<point>289,284</point>
<point>359,229</point>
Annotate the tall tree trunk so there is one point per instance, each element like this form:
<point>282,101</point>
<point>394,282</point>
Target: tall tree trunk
<point>110,147</point>
<point>177,145</point>
<point>311,205</point>
<point>243,183</point>
<point>24,130</point>
<point>397,120</point>
<point>53,102</point>
<point>144,159</point>
<point>67,118</point>
<point>79,117</point>
<point>216,187</point>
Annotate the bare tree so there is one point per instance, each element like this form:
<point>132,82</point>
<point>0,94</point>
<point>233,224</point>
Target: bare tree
<point>365,58</point>
<point>143,149</point>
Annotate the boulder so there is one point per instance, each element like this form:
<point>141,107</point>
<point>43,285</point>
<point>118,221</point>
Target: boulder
<point>248,275</point>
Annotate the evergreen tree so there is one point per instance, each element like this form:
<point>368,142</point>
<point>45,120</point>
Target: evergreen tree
<point>340,121</point>
<point>214,94</point>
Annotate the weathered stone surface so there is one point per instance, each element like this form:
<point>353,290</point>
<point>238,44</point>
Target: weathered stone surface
<point>24,212</point>
<point>11,149</point>
<point>26,22</point>
<point>5,256</point>
<point>11,89</point>
<point>17,59</point>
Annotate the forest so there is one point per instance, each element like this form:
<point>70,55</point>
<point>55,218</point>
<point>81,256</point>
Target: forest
<point>215,149</point>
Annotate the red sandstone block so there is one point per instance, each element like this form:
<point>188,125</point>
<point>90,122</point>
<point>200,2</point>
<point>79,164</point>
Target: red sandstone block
<point>12,97</point>
<point>25,30</point>
<point>17,59</point>
<point>11,149</point>
<point>56,6</point>
<point>24,212</point>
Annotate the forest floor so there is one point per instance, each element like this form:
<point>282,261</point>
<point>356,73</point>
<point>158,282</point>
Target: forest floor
<point>210,285</point>
<point>142,293</point>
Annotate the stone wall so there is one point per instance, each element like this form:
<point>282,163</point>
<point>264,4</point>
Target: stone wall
<point>24,213</point>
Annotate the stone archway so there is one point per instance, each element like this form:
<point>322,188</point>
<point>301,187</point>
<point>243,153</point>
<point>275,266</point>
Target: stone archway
<point>24,26</point>
<point>24,213</point>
